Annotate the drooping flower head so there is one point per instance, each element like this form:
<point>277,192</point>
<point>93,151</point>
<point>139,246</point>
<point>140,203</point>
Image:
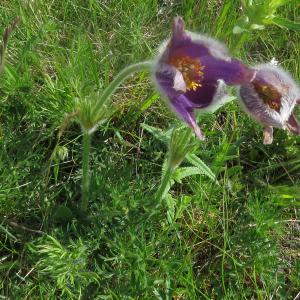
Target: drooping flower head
<point>270,98</point>
<point>192,72</point>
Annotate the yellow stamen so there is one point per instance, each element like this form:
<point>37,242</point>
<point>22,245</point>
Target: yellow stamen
<point>191,70</point>
<point>270,95</point>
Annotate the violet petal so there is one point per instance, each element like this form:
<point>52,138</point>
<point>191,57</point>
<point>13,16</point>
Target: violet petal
<point>233,72</point>
<point>293,125</point>
<point>185,110</point>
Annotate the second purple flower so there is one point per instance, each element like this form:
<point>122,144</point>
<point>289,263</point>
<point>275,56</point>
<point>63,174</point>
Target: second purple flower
<point>270,99</point>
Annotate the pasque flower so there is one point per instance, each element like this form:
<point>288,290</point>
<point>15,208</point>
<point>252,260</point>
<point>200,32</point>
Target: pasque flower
<point>192,72</point>
<point>270,98</point>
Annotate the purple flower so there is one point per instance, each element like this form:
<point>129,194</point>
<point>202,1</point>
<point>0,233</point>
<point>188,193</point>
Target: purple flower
<point>270,98</point>
<point>192,72</point>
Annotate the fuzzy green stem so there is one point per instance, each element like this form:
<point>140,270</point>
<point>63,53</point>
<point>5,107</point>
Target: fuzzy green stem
<point>164,182</point>
<point>85,170</point>
<point>145,65</point>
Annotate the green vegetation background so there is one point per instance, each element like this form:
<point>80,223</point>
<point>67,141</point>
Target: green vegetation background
<point>236,240</point>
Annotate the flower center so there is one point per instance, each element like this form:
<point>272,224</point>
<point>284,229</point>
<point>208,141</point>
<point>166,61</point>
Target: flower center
<point>191,70</point>
<point>269,95</point>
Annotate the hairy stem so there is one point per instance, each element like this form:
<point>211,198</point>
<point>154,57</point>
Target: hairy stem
<point>145,65</point>
<point>160,194</point>
<point>85,170</point>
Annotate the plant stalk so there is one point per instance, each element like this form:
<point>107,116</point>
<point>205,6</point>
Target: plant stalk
<point>85,170</point>
<point>164,182</point>
<point>145,65</point>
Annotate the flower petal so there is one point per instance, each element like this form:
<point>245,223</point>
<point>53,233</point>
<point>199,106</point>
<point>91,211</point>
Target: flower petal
<point>220,98</point>
<point>181,41</point>
<point>256,108</point>
<point>212,54</point>
<point>194,45</point>
<point>268,135</point>
<point>178,33</point>
<point>233,72</point>
<point>170,83</point>
<point>185,111</point>
<point>214,47</point>
<point>203,96</point>
<point>165,79</point>
<point>293,125</point>
<point>179,83</point>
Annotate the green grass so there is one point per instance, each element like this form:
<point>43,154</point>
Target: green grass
<point>239,239</point>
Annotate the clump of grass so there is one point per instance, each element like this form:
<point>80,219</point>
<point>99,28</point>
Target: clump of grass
<point>64,267</point>
<point>6,35</point>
